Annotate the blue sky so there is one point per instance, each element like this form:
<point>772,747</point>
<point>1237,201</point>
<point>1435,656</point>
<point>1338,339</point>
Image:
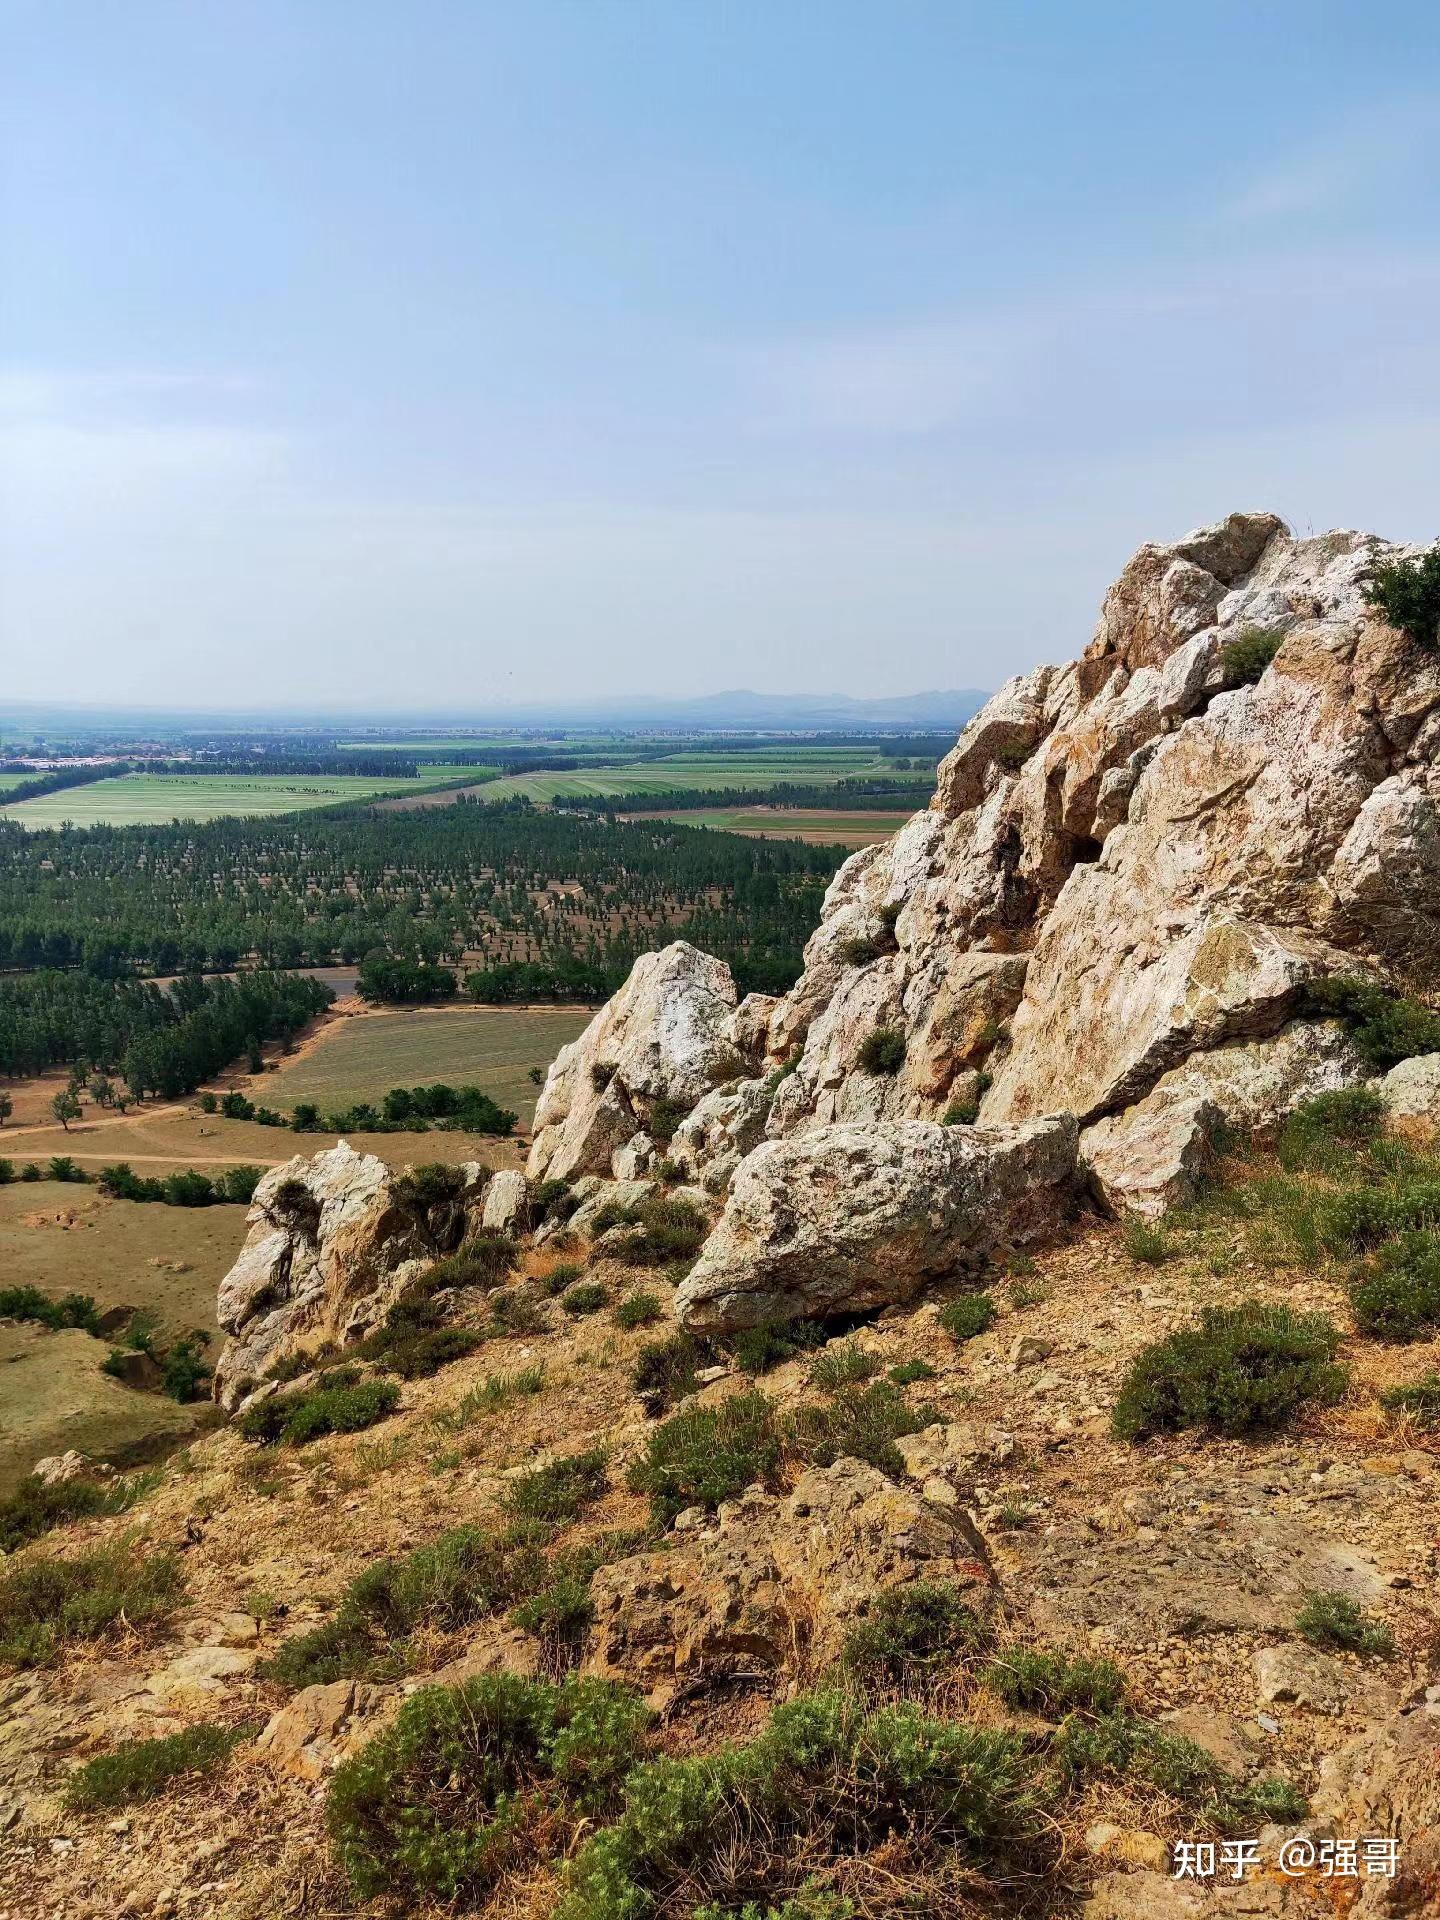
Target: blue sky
<point>368,353</point>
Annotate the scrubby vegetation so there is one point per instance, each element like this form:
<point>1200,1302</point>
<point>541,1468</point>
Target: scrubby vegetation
<point>758,1349</point>
<point>911,1630</point>
<point>1332,1619</point>
<point>708,1454</point>
<point>971,1314</point>
<point>665,1370</point>
<point>1237,1370</point>
<point>1420,1401</point>
<point>1398,1297</point>
<point>1135,1749</point>
<point>1246,657</point>
<point>342,1401</point>
<point>1407,592</point>
<point>663,1229</point>
<point>187,1187</point>
<point>1043,1681</point>
<point>858,1423</point>
<point>882,1051</point>
<point>71,1310</point>
<point>35,1508</point>
<point>560,1491</point>
<point>138,1770</point>
<point>45,1602</point>
<point>640,1310</point>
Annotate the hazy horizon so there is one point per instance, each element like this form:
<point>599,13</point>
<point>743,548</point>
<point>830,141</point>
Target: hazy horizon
<point>465,357</point>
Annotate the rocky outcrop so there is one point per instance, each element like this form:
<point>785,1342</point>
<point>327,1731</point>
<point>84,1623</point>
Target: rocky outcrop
<point>773,1583</point>
<point>331,1242</point>
<point>860,1216</point>
<point>670,1034</point>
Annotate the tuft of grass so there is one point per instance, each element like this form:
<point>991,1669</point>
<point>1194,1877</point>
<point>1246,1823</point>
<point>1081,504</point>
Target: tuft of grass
<point>1236,1370</point>
<point>45,1602</point>
<point>844,1365</point>
<point>139,1770</point>
<point>495,1391</point>
<point>1130,1747</point>
<point>1321,1135</point>
<point>1399,1297</point>
<point>882,1051</point>
<point>911,1630</point>
<point>910,1371</point>
<point>858,1423</point>
<point>1147,1243</point>
<point>564,1274</point>
<point>588,1297</point>
<point>34,1509</point>
<point>1050,1683</point>
<point>559,1612</point>
<point>1245,658</point>
<point>642,1309</point>
<point>829,1778</point>
<point>708,1454</point>
<point>1329,1618</point>
<point>758,1349</point>
<point>560,1491</point>
<point>342,1403</point>
<point>971,1314</point>
<point>665,1370</point>
<point>472,1781</point>
<point>1420,1400</point>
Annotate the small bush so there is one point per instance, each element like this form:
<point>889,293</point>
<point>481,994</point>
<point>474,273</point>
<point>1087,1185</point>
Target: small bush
<point>419,1355</point>
<point>138,1770</point>
<point>7,1172</point>
<point>665,1370</point>
<point>586,1298</point>
<point>1421,1401</point>
<point>560,1491</point>
<point>1407,593</point>
<point>706,1455</point>
<point>471,1781</point>
<point>184,1371</point>
<point>46,1602</point>
<point>961,1113</point>
<point>910,1629</point>
<point>640,1310</point>
<point>882,1051</point>
<point>1332,1619</point>
<point>337,1650</point>
<point>1237,1370</point>
<point>858,950</point>
<point>559,1612</point>
<point>758,1349</point>
<point>972,1313</point>
<point>342,1403</point>
<point>1399,1298</point>
<point>858,1423</point>
<point>1385,1027</point>
<point>1245,658</point>
<point>564,1275</point>
<point>34,1508</point>
<point>910,1371</point>
<point>844,1365</point>
<point>29,1303</point>
<point>1366,1217</point>
<point>1321,1135</point>
<point>494,1392</point>
<point>828,1778</point>
<point>666,1116</point>
<point>1147,1243</point>
<point>1134,1748</point>
<point>1054,1685</point>
<point>665,1229</point>
<point>481,1261</point>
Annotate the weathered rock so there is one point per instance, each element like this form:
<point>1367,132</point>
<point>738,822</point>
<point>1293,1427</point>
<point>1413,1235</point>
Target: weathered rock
<point>711,1142</point>
<point>1152,1156</point>
<point>505,1201</point>
<point>634,1159</point>
<point>852,1217</point>
<point>203,1670</point>
<point>1290,1673</point>
<point>309,1736</point>
<point>667,1035</point>
<point>1410,1090</point>
<point>773,1581</point>
<point>332,1240</point>
<point>57,1468</point>
<point>1386,1782</point>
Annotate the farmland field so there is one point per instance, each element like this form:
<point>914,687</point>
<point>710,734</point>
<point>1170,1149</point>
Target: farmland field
<point>361,1058</point>
<point>145,799</point>
<point>822,826</point>
<point>765,766</point>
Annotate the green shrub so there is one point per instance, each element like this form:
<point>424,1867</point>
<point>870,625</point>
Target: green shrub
<point>961,1113</point>
<point>1332,1619</point>
<point>758,1349</point>
<point>140,1769</point>
<point>1420,1400</point>
<point>45,1602</point>
<point>1407,593</point>
<point>552,1200</point>
<point>882,1051</point>
<point>1147,1243</point>
<point>559,1611</point>
<point>470,1781</point>
<point>640,1310</point>
<point>1366,1217</point>
<point>518,1314</point>
<point>829,1778</point>
<point>665,1370</point>
<point>184,1371</point>
<point>7,1172</point>
<point>1245,658</point>
<point>340,1649</point>
<point>910,1371</point>
<point>481,1261</point>
<point>972,1313</point>
<point>665,1228</point>
<point>1399,1298</point>
<point>341,1403</point>
<point>708,1454</point>
<point>29,1172</point>
<point>495,1391</point>
<point>419,1355</point>
<point>464,1575</point>
<point>1237,1370</point>
<point>859,950</point>
<point>560,1491</point>
<point>1384,1027</point>
<point>843,1365</point>
<point>1053,1684</point>
<point>910,1629</point>
<point>588,1297</point>
<point>666,1116</point>
<point>561,1276</point>
<point>858,1423</point>
<point>35,1508</point>
<point>1126,1745</point>
<point>29,1303</point>
<point>1321,1135</point>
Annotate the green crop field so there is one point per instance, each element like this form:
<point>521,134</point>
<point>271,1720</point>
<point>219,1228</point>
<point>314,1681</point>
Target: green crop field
<point>766,766</point>
<point>492,1048</point>
<point>821,826</point>
<point>143,799</point>
<point>8,780</point>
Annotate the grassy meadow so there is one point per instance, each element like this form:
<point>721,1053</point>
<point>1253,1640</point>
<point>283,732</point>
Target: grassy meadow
<point>143,799</point>
<point>822,826</point>
<point>765,766</point>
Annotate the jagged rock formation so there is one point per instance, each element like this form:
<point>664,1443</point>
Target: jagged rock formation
<point>1130,874</point>
<point>331,1242</point>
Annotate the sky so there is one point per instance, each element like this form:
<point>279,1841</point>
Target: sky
<point>396,353</point>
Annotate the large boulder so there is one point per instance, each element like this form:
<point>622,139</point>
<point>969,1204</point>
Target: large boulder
<point>332,1241</point>
<point>668,1036</point>
<point>848,1217</point>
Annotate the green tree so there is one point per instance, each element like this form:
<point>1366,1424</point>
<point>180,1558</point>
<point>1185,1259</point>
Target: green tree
<point>7,1107</point>
<point>66,1107</point>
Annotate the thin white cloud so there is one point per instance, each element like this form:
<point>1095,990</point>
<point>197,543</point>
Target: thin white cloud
<point>1354,166</point>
